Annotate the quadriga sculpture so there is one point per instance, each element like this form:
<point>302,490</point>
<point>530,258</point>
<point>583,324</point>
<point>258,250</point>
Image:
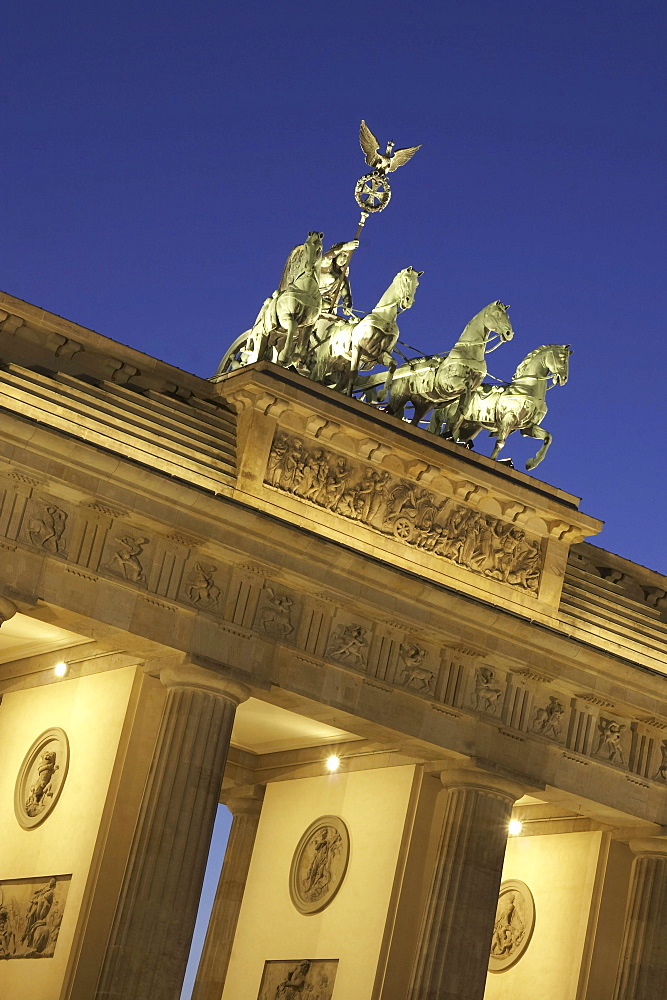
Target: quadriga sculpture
<point>452,377</point>
<point>286,319</point>
<point>519,406</point>
<point>348,346</point>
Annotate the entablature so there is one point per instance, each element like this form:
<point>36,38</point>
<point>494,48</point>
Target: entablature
<point>348,471</point>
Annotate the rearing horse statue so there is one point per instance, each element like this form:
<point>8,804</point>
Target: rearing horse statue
<point>285,320</point>
<point>452,377</point>
<point>519,406</point>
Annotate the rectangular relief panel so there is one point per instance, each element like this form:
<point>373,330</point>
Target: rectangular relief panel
<point>312,978</point>
<point>31,911</point>
<point>435,527</point>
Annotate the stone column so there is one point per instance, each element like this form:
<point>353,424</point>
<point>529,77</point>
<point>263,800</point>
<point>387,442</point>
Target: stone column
<point>150,937</point>
<point>642,967</point>
<point>227,905</point>
<point>455,939</point>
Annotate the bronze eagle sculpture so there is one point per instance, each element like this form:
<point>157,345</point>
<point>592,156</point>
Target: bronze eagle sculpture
<point>383,163</point>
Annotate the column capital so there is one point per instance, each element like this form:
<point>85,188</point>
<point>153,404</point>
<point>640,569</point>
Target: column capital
<point>246,800</point>
<point>655,846</point>
<point>483,781</point>
<point>189,675</point>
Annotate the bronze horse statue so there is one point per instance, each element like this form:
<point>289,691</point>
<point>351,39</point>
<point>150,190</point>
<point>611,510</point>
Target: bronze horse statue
<point>348,346</point>
<point>452,377</point>
<point>519,406</point>
<point>283,325</point>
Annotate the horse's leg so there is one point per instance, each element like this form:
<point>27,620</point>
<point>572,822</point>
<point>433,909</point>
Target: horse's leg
<point>469,431</point>
<point>390,377</point>
<point>354,367</point>
<point>290,326</point>
<point>535,431</point>
<point>318,367</point>
<point>437,419</point>
<point>397,400</point>
<point>460,412</point>
<point>420,410</point>
<point>504,429</point>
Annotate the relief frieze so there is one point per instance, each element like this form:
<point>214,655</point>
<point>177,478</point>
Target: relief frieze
<point>661,773</point>
<point>125,558</point>
<point>276,614</point>
<point>31,911</point>
<point>349,645</point>
<point>415,672</point>
<point>487,691</point>
<point>394,506</point>
<point>548,719</point>
<point>46,523</point>
<point>201,588</point>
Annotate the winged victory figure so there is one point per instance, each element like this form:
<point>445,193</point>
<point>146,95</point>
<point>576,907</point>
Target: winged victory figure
<point>383,163</point>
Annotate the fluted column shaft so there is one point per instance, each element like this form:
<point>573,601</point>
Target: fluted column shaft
<point>229,895</point>
<point>155,916</point>
<point>642,969</point>
<point>455,940</point>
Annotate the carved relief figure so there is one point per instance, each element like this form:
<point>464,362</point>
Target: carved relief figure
<point>292,987</point>
<point>47,531</point>
<point>334,485</point>
<point>319,864</point>
<point>362,500</point>
<point>609,741</point>
<point>31,912</point>
<point>349,644</point>
<point>661,773</point>
<point>310,979</point>
<point>279,449</point>
<point>41,790</point>
<point>314,476</point>
<point>415,674</point>
<point>395,506</point>
<point>509,929</point>
<point>200,587</point>
<point>486,695</point>
<point>125,560</point>
<point>36,933</point>
<point>327,844</point>
<point>41,778</point>
<point>275,617</point>
<point>9,922</point>
<point>548,720</point>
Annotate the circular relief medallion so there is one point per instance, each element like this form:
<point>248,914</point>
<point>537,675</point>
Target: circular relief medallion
<point>41,778</point>
<point>515,920</point>
<point>319,864</point>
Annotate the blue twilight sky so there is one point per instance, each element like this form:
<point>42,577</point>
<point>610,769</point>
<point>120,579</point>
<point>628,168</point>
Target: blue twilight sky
<point>159,160</point>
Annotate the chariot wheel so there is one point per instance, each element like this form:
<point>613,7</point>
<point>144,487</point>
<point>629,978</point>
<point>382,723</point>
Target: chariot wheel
<point>234,356</point>
<point>403,528</point>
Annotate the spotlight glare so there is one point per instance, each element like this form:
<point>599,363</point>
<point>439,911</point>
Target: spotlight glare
<point>60,669</point>
<point>333,763</point>
<point>515,828</point>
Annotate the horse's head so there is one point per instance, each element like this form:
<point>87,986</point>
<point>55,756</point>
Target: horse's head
<point>558,362</point>
<point>549,359</point>
<point>407,280</point>
<point>497,321</point>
